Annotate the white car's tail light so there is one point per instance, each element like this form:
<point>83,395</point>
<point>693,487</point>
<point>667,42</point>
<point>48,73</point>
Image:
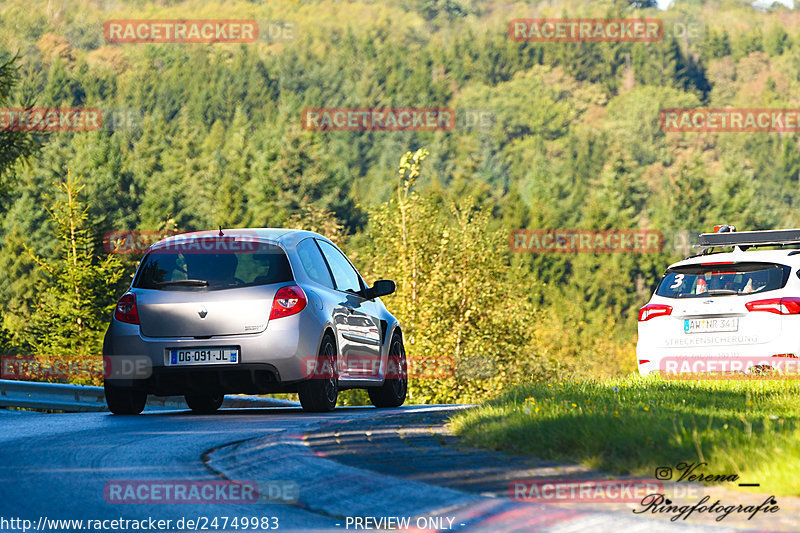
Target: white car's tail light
<point>288,301</point>
<point>654,310</point>
<point>126,310</point>
<point>780,306</point>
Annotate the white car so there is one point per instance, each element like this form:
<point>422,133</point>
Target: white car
<point>729,311</point>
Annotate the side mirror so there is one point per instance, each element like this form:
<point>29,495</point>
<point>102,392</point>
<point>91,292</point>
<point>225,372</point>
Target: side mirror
<point>382,287</point>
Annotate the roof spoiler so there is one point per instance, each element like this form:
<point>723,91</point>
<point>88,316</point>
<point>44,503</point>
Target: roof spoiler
<point>747,239</point>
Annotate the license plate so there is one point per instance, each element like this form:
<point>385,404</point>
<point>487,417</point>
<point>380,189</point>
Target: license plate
<point>202,356</point>
<point>706,325</point>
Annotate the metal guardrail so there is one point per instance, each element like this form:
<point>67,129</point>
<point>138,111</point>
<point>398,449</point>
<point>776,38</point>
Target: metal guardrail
<point>84,398</point>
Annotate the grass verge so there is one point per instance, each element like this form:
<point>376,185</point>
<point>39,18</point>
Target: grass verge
<point>632,425</point>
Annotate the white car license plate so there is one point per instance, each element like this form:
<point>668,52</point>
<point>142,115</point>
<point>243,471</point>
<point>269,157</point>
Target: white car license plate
<point>707,325</point>
<point>202,356</point>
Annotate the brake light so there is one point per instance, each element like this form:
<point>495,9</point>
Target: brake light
<point>779,306</point>
<point>126,309</point>
<point>653,310</point>
<point>288,301</point>
<point>786,355</point>
<point>643,361</point>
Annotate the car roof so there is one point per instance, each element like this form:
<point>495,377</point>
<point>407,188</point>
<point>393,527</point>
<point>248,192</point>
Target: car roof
<point>789,257</point>
<point>284,236</point>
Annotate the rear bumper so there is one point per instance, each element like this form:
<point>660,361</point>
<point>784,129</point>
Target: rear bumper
<point>659,358</point>
<point>247,378</point>
<point>271,361</point>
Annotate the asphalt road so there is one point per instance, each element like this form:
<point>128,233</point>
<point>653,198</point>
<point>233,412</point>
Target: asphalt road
<point>327,471</point>
<point>57,465</point>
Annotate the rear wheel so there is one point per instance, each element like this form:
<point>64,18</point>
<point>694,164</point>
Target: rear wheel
<point>204,402</point>
<point>124,400</point>
<point>393,391</point>
<point>319,394</point>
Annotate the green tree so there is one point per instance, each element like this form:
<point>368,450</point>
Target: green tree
<point>14,145</point>
<point>79,287</point>
<point>465,319</point>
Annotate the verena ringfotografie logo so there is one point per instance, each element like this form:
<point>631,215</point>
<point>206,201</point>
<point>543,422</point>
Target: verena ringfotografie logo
<point>567,241</point>
<point>180,31</point>
<point>378,118</point>
<point>729,120</point>
<point>583,490</point>
<point>780,366</point>
<point>589,30</point>
<point>50,119</point>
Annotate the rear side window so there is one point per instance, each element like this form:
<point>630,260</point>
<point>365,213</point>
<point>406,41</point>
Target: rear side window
<point>260,264</point>
<point>313,263</point>
<point>344,274</point>
<point>698,281</point>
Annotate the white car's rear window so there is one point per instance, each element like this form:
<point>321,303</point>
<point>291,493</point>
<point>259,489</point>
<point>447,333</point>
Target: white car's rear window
<point>722,279</point>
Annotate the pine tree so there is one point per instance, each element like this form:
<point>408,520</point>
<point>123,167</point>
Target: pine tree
<point>14,145</point>
<point>79,288</point>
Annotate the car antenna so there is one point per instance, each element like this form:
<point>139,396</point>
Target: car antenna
<point>220,232</point>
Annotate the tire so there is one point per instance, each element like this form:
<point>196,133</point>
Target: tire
<point>124,400</point>
<point>204,402</point>
<point>393,391</point>
<point>319,395</point>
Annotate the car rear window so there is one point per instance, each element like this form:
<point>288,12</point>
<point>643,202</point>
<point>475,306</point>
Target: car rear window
<point>722,279</point>
<point>170,269</point>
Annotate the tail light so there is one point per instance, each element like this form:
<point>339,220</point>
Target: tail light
<point>126,309</point>
<point>653,310</point>
<point>288,301</point>
<point>779,306</point>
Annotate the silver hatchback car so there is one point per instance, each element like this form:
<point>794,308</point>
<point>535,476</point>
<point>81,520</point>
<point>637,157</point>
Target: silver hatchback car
<point>252,311</point>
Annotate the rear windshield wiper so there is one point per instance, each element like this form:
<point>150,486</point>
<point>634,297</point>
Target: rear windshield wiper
<point>186,282</point>
<point>721,292</point>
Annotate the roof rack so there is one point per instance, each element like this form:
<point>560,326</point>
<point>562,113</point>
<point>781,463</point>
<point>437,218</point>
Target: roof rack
<point>747,239</point>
